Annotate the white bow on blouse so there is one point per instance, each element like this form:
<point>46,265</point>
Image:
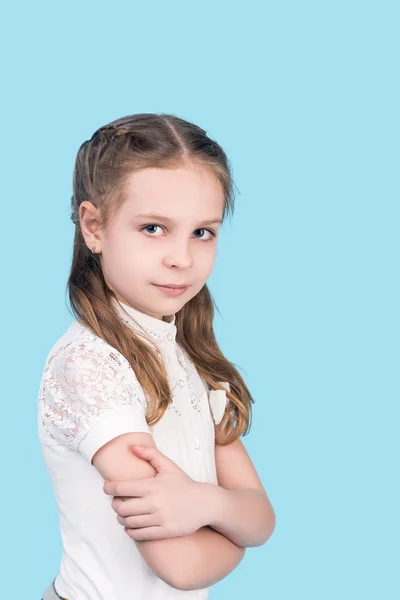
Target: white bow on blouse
<point>218,401</point>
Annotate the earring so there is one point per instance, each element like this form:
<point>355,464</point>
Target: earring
<point>94,250</point>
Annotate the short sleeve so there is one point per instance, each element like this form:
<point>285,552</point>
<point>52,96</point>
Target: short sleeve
<point>90,395</point>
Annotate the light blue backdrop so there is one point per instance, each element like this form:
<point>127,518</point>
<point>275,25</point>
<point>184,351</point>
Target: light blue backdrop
<point>304,97</point>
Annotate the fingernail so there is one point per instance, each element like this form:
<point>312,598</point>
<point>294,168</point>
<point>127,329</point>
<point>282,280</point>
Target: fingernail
<point>139,446</point>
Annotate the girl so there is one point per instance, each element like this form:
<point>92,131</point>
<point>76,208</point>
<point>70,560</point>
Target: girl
<point>140,365</point>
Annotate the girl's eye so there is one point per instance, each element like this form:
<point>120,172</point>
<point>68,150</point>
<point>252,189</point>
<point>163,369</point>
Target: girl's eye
<point>211,234</point>
<point>150,227</point>
<point>151,231</point>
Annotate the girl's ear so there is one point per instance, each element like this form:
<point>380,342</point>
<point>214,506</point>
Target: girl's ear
<point>89,216</point>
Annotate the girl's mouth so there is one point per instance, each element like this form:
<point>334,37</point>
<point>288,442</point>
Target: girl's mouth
<point>172,290</point>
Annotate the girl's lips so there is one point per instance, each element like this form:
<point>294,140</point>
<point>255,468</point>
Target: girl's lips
<point>172,291</point>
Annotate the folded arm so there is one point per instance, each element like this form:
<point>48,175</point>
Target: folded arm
<point>242,510</point>
<point>194,561</point>
<point>189,562</point>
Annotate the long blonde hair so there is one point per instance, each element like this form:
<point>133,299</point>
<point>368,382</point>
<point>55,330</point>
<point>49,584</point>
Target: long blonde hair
<point>102,168</point>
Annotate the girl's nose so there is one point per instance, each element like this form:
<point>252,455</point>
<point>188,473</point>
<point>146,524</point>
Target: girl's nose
<point>179,255</point>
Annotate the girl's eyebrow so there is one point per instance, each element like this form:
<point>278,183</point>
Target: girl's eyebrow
<point>168,220</point>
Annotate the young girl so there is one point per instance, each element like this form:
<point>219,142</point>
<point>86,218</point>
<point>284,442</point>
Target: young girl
<point>140,365</point>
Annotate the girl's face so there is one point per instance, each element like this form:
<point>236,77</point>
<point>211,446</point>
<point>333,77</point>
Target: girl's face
<point>164,234</point>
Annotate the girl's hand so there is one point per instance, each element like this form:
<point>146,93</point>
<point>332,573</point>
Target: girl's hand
<point>171,504</point>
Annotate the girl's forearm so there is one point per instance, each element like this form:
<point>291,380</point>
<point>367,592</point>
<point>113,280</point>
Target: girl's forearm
<point>236,519</point>
<point>211,558</point>
<point>244,516</point>
<point>194,561</point>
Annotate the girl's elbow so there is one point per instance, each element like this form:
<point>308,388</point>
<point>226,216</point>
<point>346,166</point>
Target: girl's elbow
<point>269,529</point>
<point>184,581</point>
<point>177,580</point>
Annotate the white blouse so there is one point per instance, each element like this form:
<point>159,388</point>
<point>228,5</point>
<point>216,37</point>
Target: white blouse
<point>88,395</point>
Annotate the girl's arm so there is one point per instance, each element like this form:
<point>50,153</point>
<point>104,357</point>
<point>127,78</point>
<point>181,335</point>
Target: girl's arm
<point>194,561</point>
<point>243,512</point>
<point>188,562</point>
<point>241,516</point>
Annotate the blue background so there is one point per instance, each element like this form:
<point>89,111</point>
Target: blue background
<point>304,97</point>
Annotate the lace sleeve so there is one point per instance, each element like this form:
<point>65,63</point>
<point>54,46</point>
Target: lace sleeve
<point>89,395</point>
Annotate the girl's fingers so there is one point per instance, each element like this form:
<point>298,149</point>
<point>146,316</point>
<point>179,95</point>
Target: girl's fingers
<point>147,533</point>
<point>129,488</point>
<point>137,521</point>
<point>131,506</point>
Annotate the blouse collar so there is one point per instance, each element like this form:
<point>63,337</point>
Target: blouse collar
<point>157,328</point>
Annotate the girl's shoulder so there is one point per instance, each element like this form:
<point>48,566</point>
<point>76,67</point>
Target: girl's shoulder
<point>77,346</point>
<point>83,378</point>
